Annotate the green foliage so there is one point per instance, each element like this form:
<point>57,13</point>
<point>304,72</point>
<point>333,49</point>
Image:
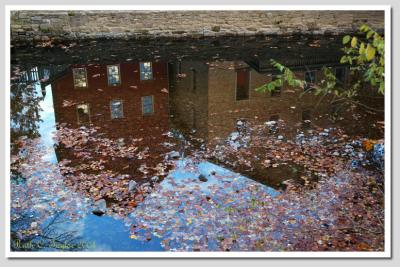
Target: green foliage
<point>285,76</point>
<point>366,56</point>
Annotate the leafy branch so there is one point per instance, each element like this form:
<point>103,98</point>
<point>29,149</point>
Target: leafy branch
<point>286,76</point>
<point>366,59</point>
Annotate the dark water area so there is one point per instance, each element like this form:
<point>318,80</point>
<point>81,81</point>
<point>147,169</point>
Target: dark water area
<point>99,124</point>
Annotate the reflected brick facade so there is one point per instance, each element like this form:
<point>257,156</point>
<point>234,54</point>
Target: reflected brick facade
<point>213,108</point>
<point>99,94</point>
<point>134,125</point>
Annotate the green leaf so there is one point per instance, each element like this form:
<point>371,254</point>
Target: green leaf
<point>364,28</point>
<point>382,61</point>
<point>370,52</point>
<point>343,59</point>
<point>361,51</point>
<point>346,39</point>
<point>261,89</point>
<point>354,42</point>
<point>278,83</point>
<point>382,88</point>
<point>271,86</point>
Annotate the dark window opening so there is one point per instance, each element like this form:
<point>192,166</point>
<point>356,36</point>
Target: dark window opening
<point>274,117</point>
<point>306,116</point>
<point>242,84</point>
<point>117,110</point>
<point>83,111</point>
<point>179,67</point>
<point>309,78</point>
<point>340,74</point>
<point>194,79</point>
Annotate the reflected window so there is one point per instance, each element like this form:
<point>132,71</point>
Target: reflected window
<point>306,116</point>
<point>194,79</point>
<point>113,75</point>
<point>179,67</point>
<point>83,111</point>
<point>242,84</point>
<point>146,71</point>
<point>274,117</point>
<point>147,105</point>
<point>117,110</point>
<point>80,77</point>
<point>309,78</point>
<point>340,74</point>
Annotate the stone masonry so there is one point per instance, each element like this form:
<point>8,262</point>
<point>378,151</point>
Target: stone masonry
<point>38,26</point>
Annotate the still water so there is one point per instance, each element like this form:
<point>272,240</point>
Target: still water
<point>152,145</point>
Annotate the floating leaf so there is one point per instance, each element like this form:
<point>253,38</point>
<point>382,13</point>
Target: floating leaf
<point>346,39</point>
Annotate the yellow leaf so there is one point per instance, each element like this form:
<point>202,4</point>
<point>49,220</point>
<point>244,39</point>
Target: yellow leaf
<point>362,49</point>
<point>370,52</point>
<point>354,42</point>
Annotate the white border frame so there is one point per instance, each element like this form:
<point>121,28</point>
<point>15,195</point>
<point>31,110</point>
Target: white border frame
<point>388,212</point>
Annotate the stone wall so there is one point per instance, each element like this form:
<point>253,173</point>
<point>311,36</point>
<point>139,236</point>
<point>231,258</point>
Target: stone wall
<point>31,26</point>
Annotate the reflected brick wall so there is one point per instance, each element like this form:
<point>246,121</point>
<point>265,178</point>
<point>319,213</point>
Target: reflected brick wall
<point>189,96</point>
<point>217,108</point>
<point>98,95</point>
<point>133,125</point>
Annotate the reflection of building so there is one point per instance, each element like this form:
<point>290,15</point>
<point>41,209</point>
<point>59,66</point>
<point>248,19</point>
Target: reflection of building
<point>211,97</point>
<point>126,103</point>
<point>125,100</point>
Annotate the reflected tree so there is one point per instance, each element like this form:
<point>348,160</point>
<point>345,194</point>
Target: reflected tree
<point>27,235</point>
<point>24,109</point>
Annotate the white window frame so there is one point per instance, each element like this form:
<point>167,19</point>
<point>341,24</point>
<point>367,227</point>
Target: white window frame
<point>86,78</point>
<point>152,103</point>
<point>119,74</point>
<point>111,110</point>
<point>77,113</point>
<point>140,70</point>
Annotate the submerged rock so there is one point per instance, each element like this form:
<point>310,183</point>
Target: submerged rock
<point>270,123</point>
<point>378,156</point>
<point>173,155</point>
<point>234,136</point>
<point>100,207</point>
<point>202,178</point>
<point>132,185</point>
